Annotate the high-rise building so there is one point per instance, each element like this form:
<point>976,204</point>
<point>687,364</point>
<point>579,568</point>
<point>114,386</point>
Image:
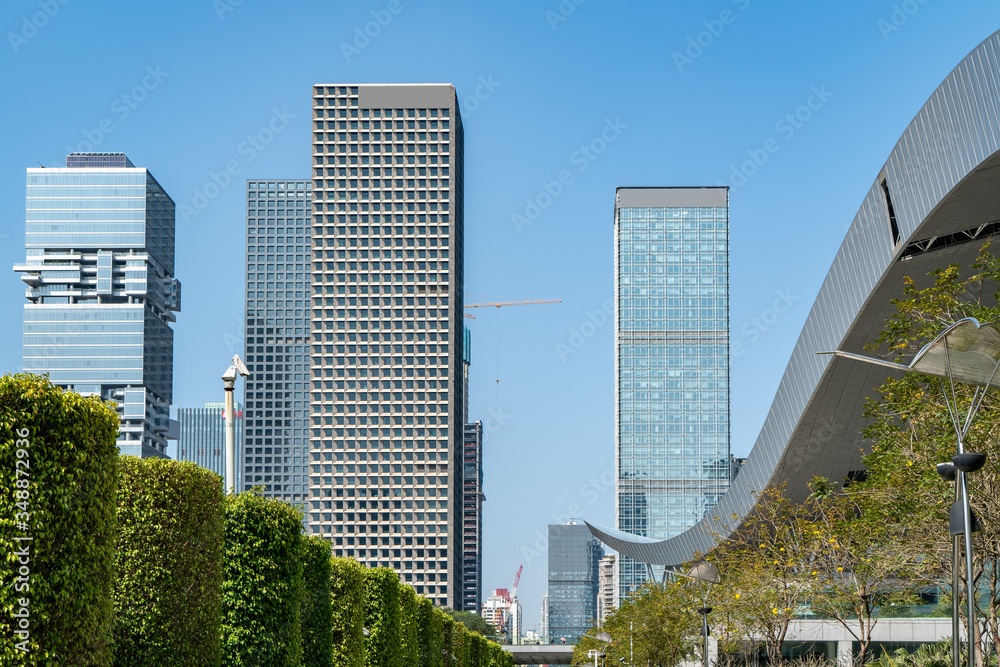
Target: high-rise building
<point>574,559</point>
<point>387,392</point>
<point>516,622</point>
<point>605,588</point>
<point>544,620</point>
<point>671,361</point>
<point>99,269</point>
<point>203,437</point>
<point>472,519</point>
<point>276,445</point>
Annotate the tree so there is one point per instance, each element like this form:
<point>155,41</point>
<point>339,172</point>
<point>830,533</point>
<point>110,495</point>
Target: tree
<point>768,575</point>
<point>912,432</point>
<point>657,626</point>
<point>863,560</point>
<point>472,622</point>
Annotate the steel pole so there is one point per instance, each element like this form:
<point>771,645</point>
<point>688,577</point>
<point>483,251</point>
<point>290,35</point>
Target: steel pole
<point>230,439</point>
<point>704,634</point>
<point>956,584</point>
<point>970,589</point>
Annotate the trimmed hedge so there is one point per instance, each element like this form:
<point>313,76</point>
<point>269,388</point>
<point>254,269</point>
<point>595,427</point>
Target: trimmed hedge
<point>459,645</point>
<point>382,618</point>
<point>347,592</point>
<point>316,611</point>
<point>430,634</point>
<point>58,453</point>
<point>448,640</point>
<point>409,646</point>
<point>168,594</point>
<point>262,591</point>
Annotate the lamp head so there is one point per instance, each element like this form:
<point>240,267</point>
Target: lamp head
<point>241,368</point>
<point>948,471</point>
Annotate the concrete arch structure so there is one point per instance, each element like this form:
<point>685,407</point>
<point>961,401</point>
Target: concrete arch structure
<point>934,201</point>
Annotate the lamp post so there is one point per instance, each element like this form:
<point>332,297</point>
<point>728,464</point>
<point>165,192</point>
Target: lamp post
<point>969,353</point>
<point>597,653</point>
<point>229,382</point>
<point>706,573</point>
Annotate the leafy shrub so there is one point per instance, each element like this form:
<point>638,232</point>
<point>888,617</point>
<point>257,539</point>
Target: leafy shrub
<point>316,611</point>
<point>383,619</point>
<point>347,594</point>
<point>262,591</point>
<point>409,644</point>
<point>168,594</point>
<point>58,454</point>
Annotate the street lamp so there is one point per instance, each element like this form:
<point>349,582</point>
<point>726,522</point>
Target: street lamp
<point>969,353</point>
<point>229,382</point>
<point>706,573</point>
<point>597,653</point>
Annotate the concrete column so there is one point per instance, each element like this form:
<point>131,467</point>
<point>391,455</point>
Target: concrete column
<point>845,654</point>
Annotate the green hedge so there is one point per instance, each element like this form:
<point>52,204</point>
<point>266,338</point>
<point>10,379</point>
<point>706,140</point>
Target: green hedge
<point>67,486</point>
<point>316,611</point>
<point>262,591</point>
<point>430,633</point>
<point>347,594</point>
<point>382,619</point>
<point>448,640</point>
<point>409,643</point>
<point>168,594</point>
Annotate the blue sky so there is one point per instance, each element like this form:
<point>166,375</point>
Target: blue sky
<point>688,92</point>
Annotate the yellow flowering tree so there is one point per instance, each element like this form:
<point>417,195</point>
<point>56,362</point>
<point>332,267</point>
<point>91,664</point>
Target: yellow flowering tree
<point>767,576</point>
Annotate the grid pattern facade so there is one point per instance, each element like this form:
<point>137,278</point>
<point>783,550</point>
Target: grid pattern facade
<point>574,564</point>
<point>203,437</point>
<point>99,243</point>
<point>472,519</point>
<point>672,370</point>
<point>276,441</point>
<point>387,389</point>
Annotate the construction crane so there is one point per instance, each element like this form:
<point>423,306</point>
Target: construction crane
<point>517,579</point>
<point>501,304</point>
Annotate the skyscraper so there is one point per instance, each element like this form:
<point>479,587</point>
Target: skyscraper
<point>99,269</point>
<point>574,561</point>
<point>472,519</point>
<point>387,412</point>
<point>606,588</point>
<point>544,631</point>
<point>276,446</point>
<point>203,436</point>
<point>671,361</point>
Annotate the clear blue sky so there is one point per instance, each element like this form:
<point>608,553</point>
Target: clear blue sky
<point>198,78</point>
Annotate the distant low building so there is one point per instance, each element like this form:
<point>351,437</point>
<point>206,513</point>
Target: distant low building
<point>203,437</point>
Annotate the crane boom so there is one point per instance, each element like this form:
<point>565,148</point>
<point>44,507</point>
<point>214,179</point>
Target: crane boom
<point>517,579</point>
<point>522,302</point>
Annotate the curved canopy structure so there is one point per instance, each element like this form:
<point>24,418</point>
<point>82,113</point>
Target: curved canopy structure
<point>933,203</point>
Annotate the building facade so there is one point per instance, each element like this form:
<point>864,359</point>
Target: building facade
<point>574,562</point>
<point>202,438</point>
<point>387,389</point>
<point>671,361</point>
<point>605,588</point>
<point>544,619</point>
<point>277,351</point>
<point>472,518</point>
<point>99,269</point>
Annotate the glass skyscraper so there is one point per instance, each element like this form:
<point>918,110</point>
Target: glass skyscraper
<point>671,361</point>
<point>99,269</point>
<point>574,579</point>
<point>276,440</point>
<point>387,381</point>
<point>202,437</point>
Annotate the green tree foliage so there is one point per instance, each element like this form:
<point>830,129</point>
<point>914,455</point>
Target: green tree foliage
<point>59,460</point>
<point>769,574</point>
<point>347,592</point>
<point>448,640</point>
<point>909,424</point>
<point>262,592</point>
<point>460,646</point>
<point>657,626</point>
<point>317,612</point>
<point>383,619</point>
<point>473,622</point>
<point>168,593</point>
